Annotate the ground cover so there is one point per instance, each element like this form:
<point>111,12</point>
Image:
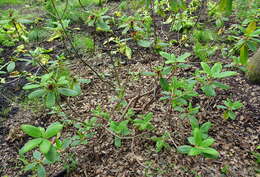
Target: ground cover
<point>128,88</point>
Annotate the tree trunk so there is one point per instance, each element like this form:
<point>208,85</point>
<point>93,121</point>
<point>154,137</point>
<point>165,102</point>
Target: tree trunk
<point>253,73</point>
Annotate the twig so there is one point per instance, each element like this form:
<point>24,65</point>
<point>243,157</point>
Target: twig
<point>132,150</point>
<point>134,99</point>
<point>76,51</point>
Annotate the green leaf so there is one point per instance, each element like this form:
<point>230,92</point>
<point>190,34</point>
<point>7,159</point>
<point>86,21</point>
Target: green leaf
<point>168,56</point>
<point>144,43</point>
<point>3,22</point>
<point>205,68</point>
<point>50,99</point>
<point>103,26</point>
<point>250,28</point>
<point>231,115</point>
<point>53,129</point>
<point>118,142</point>
<point>67,92</point>
<point>176,5</point>
<point>216,69</point>
<point>237,105</point>
<point>166,70</point>
<point>197,136</point>
<point>207,142</point>
<point>37,155</point>
<point>45,146</point>
<point>252,45</point>
<point>194,123</point>
<point>85,81</point>
<point>30,145</point>
<point>37,93</point>
<point>52,154</point>
<point>41,172</point>
<point>208,90</point>
<point>149,73</point>
<point>30,166</point>
<point>194,151</point>
<point>226,6</point>
<point>225,74</point>
<point>147,3</point>
<point>205,127</point>
<point>220,85</point>
<point>164,84</point>
<point>191,140</point>
<point>221,107</point>
<point>31,131</point>
<point>244,54</point>
<point>10,67</point>
<point>183,57</point>
<point>128,52</point>
<point>31,86</point>
<point>185,149</point>
<point>211,152</point>
<point>24,21</point>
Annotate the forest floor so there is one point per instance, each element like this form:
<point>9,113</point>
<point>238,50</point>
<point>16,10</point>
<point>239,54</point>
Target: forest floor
<point>235,140</point>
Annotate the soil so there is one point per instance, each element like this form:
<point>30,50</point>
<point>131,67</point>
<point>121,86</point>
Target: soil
<point>234,139</point>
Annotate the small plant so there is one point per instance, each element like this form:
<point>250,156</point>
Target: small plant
<point>144,123</point>
<point>175,61</point>
<point>83,43</point>
<point>98,19</point>
<point>225,170</point>
<point>83,132</point>
<point>41,138</point>
<point>215,72</point>
<point>190,111</point>
<point>200,140</point>
<point>257,157</point>
<point>122,46</point>
<point>52,86</point>
<point>12,27</point>
<point>46,147</point>
<point>179,91</point>
<point>58,29</point>
<point>40,56</point>
<point>250,41</point>
<point>203,52</point>
<point>230,107</point>
<point>161,141</point>
<point>120,129</point>
<point>98,112</point>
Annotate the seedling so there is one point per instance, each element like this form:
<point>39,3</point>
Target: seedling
<point>122,46</point>
<point>58,29</point>
<point>98,19</point>
<point>120,129</point>
<point>230,107</point>
<point>200,141</point>
<point>257,157</point>
<point>203,52</point>
<point>52,86</point>
<point>179,91</point>
<point>250,41</point>
<point>190,111</point>
<point>41,137</point>
<point>161,141</point>
<point>144,123</point>
<point>83,132</point>
<point>176,61</point>
<point>215,72</point>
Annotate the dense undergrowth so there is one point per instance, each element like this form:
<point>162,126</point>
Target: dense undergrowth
<point>198,44</point>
